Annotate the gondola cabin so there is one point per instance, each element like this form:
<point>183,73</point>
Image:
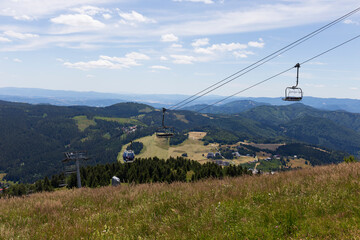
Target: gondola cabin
<point>128,156</point>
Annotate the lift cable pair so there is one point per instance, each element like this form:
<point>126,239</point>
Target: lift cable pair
<point>293,93</point>
<point>288,96</point>
<point>259,63</point>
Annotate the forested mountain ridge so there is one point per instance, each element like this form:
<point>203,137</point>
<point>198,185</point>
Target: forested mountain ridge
<point>276,115</point>
<point>97,99</point>
<point>227,108</point>
<point>34,137</point>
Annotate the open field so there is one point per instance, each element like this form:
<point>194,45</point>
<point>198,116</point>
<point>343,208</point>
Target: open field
<point>315,203</point>
<point>83,122</point>
<point>121,120</point>
<point>242,160</point>
<point>159,147</point>
<point>298,162</point>
<point>197,135</point>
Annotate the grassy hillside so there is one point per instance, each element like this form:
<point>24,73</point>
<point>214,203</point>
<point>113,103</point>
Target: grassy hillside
<point>316,203</point>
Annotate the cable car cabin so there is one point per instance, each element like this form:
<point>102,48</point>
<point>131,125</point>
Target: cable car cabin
<point>294,93</point>
<point>128,156</point>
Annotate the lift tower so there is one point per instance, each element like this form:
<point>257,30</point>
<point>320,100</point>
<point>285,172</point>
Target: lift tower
<point>76,157</point>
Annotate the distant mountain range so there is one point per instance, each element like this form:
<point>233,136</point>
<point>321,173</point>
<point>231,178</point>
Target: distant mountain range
<point>96,99</point>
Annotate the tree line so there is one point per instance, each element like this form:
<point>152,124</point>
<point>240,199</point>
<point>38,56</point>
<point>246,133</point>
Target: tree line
<point>149,170</point>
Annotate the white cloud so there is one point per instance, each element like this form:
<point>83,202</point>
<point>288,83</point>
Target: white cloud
<point>3,39</point>
<point>183,59</point>
<point>175,45</point>
<point>106,16</point>
<point>37,9</point>
<point>130,60</point>
<point>169,38</point>
<point>159,67</point>
<point>348,21</point>
<point>200,42</point>
<point>354,88</point>
<point>264,15</point>
<point>134,17</point>
<point>101,63</point>
<point>163,58</point>
<point>242,54</point>
<point>17,60</point>
<point>23,18</point>
<point>201,1</point>
<point>222,47</point>
<point>21,36</point>
<point>137,56</point>
<point>254,44</point>
<point>78,20</point>
<point>89,10</point>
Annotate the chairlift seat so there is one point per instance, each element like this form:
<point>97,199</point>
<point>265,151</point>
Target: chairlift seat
<point>292,99</point>
<point>165,132</point>
<point>293,94</point>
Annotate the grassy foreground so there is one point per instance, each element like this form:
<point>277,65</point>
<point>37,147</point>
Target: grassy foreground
<point>321,203</point>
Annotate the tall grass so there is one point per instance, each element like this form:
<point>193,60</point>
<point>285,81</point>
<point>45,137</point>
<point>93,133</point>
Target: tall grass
<point>320,203</point>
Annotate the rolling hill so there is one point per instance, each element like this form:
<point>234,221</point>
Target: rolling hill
<point>35,136</point>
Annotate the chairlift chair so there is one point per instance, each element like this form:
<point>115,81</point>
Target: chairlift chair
<point>164,131</point>
<point>294,93</point>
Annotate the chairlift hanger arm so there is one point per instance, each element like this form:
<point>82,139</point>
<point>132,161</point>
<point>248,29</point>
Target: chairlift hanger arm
<point>297,74</point>
<point>163,117</point>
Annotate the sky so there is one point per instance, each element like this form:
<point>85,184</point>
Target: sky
<point>177,46</point>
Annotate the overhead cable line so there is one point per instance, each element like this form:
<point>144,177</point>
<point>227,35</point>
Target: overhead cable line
<point>278,74</point>
<point>259,62</point>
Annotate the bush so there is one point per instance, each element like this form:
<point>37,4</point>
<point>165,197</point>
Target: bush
<point>350,159</point>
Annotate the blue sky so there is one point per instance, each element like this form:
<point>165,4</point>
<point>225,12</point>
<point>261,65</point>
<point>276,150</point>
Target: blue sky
<point>176,46</point>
